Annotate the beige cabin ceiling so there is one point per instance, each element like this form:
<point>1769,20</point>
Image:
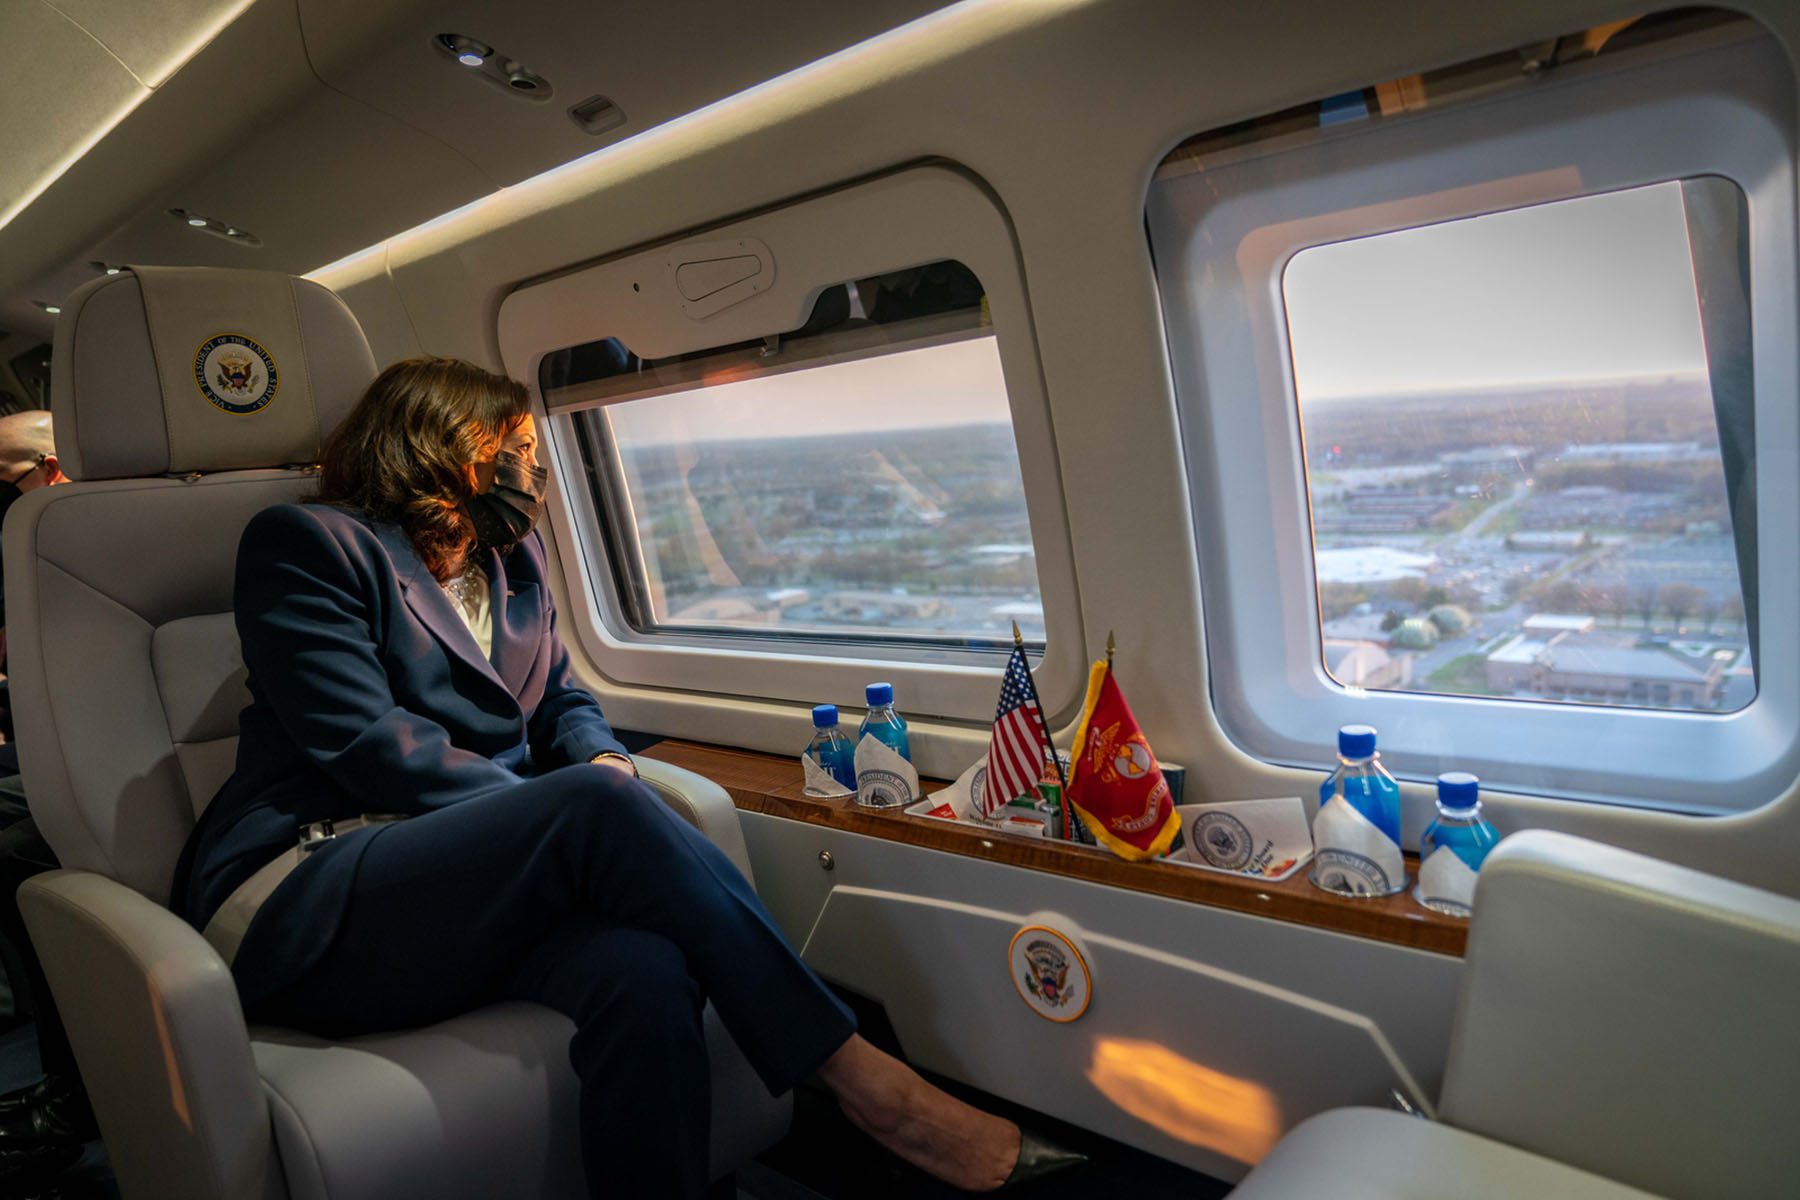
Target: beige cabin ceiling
<point>323,126</point>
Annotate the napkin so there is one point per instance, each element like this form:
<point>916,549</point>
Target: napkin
<point>961,795</point>
<point>883,778</point>
<point>1354,855</point>
<point>960,802</point>
<point>1446,883</point>
<point>1249,837</point>
<point>819,781</point>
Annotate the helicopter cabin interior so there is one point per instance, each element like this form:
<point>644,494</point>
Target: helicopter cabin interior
<point>1256,370</point>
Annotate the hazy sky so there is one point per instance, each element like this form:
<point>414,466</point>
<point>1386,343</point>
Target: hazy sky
<point>1598,287</point>
<point>954,384</point>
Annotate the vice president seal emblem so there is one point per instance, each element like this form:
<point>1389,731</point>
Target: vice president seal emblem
<point>235,373</point>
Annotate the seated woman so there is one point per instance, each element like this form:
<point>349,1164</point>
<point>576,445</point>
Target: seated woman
<point>404,663</point>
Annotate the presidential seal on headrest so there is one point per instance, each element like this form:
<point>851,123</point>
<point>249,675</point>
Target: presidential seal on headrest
<point>235,373</point>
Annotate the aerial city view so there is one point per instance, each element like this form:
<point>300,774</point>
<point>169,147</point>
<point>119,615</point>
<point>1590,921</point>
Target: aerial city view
<point>875,496</point>
<point>919,532</point>
<point>1513,451</point>
<point>1552,543</point>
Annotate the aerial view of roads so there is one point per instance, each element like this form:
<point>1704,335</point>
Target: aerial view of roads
<point>1568,543</point>
<point>912,532</point>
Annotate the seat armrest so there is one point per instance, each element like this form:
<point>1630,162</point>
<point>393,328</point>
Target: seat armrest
<point>1629,1017</point>
<point>158,1033</point>
<point>703,804</point>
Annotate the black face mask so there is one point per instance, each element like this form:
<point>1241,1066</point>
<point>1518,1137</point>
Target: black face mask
<point>505,514</point>
<point>10,490</point>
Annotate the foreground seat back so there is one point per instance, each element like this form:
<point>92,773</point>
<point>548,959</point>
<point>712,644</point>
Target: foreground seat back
<point>1625,1030</point>
<point>1631,1018</point>
<point>182,397</point>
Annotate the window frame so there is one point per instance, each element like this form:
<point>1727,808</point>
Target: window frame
<point>601,453</point>
<point>1223,230</point>
<point>909,218</point>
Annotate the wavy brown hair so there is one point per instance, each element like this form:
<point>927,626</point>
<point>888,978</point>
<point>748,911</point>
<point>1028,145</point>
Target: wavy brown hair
<point>404,452</point>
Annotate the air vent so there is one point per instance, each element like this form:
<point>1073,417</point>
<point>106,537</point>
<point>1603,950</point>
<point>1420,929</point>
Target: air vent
<point>596,115</point>
<point>481,60</point>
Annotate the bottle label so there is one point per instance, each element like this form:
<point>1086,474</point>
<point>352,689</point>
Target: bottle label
<point>1446,883</point>
<point>1355,858</point>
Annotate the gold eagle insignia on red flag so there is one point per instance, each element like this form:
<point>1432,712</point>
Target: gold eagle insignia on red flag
<point>1116,784</point>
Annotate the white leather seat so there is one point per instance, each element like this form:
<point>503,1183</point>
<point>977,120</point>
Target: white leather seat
<point>1371,1154</point>
<point>126,684</point>
<point>1623,1024</point>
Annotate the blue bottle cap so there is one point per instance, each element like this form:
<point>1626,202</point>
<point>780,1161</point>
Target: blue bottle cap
<point>879,694</point>
<point>824,716</point>
<point>1458,790</point>
<point>1356,741</point>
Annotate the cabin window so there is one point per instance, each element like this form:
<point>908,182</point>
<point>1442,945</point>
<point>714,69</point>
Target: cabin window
<point>1512,443</point>
<point>855,480</point>
<point>1505,354</point>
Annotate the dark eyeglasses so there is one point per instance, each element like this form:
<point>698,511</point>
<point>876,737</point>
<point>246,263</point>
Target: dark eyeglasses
<point>41,460</point>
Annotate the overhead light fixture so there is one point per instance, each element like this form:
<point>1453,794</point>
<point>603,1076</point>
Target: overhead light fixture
<point>465,50</point>
<point>48,307</point>
<point>492,66</point>
<point>217,228</point>
<point>105,268</point>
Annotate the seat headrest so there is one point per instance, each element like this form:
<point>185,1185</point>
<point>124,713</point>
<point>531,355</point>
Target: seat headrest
<point>172,370</point>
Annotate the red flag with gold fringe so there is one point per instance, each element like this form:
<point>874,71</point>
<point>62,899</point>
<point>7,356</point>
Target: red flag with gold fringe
<point>1116,784</point>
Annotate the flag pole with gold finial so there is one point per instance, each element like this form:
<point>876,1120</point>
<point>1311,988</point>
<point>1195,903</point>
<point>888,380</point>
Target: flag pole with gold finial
<point>1044,724</point>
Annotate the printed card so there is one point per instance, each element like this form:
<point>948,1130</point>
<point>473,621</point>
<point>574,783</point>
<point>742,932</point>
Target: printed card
<point>1268,839</point>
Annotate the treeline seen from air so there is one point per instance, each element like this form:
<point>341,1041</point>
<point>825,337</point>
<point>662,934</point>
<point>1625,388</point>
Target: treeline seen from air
<point>1387,430</point>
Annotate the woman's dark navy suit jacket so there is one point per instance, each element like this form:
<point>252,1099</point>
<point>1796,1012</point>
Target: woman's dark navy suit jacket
<point>369,695</point>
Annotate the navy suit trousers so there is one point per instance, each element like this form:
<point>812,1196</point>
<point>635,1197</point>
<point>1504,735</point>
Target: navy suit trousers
<point>582,891</point>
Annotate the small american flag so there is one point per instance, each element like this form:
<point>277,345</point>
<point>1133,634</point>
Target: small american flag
<point>1015,760</point>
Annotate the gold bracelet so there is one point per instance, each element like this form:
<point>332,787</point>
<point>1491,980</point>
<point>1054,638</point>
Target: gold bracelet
<point>624,758</point>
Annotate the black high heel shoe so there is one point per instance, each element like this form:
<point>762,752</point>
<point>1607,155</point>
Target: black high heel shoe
<point>54,1109</point>
<point>1039,1157</point>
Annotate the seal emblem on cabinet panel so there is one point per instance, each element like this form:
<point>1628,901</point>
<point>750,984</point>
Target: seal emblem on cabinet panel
<point>235,373</point>
<point>1050,974</point>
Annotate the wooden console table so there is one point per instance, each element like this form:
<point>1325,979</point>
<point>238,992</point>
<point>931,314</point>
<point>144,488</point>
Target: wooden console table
<point>771,784</point>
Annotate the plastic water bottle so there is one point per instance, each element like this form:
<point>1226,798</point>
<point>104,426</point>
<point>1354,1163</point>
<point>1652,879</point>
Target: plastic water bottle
<point>1356,835</point>
<point>1447,885</point>
<point>882,722</point>
<point>830,748</point>
<point>1363,782</point>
